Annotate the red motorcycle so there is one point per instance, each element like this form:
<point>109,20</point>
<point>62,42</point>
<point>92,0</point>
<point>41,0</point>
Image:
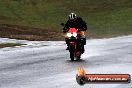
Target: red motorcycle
<point>75,43</point>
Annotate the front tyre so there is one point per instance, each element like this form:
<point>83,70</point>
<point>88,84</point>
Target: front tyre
<point>71,50</point>
<point>72,56</point>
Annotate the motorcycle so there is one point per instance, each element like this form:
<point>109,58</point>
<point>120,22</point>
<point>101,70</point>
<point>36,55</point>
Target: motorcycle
<point>75,43</point>
<point>74,46</point>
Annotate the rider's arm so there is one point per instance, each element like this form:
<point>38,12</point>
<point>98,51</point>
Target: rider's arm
<point>84,25</point>
<point>66,27</point>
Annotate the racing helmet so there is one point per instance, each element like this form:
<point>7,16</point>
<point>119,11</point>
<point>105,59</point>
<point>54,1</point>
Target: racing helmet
<point>72,16</point>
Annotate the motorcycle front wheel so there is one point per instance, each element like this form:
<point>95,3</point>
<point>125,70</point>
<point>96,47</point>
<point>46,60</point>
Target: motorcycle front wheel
<point>72,49</point>
<point>72,56</point>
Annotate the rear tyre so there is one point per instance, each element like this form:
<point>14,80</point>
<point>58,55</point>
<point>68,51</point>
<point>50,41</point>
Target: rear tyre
<point>78,58</point>
<point>78,55</point>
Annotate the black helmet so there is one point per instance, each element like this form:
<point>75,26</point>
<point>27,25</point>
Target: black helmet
<point>72,16</point>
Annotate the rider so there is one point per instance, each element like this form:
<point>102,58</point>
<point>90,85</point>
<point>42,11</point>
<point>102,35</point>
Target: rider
<point>78,23</point>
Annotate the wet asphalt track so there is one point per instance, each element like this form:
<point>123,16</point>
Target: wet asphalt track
<point>44,66</point>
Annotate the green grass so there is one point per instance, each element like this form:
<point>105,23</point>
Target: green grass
<point>105,18</point>
<point>3,45</point>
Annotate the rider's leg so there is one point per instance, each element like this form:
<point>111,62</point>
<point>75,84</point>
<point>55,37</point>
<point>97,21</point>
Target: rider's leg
<point>66,40</point>
<point>83,41</point>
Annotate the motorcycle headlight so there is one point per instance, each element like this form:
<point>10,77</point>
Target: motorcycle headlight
<point>74,34</point>
<point>68,34</point>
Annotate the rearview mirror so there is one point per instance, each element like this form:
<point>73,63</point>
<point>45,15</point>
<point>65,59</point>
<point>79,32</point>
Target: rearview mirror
<point>62,24</point>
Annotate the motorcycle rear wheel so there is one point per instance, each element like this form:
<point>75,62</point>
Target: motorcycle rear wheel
<point>78,55</point>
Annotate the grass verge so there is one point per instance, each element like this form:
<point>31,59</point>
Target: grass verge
<point>40,19</point>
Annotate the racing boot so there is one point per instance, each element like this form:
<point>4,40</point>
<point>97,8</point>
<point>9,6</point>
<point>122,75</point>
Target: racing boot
<point>67,47</point>
<point>82,49</point>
